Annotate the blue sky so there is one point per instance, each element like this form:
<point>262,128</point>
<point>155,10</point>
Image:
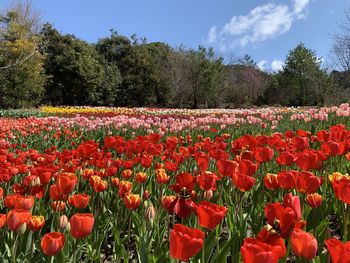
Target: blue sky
<point>265,29</point>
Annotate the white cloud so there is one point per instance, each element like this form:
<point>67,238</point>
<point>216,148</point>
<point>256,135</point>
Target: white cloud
<point>262,65</point>
<point>262,23</point>
<point>212,35</point>
<point>277,65</point>
<point>300,5</point>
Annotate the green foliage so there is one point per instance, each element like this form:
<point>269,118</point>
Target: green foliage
<point>52,68</point>
<point>21,65</point>
<point>302,81</point>
<point>78,75</point>
<point>143,67</point>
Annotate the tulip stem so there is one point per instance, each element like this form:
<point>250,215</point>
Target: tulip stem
<point>32,246</point>
<point>14,249</point>
<point>287,252</point>
<point>203,251</point>
<point>218,241</point>
<point>129,230</point>
<point>345,222</point>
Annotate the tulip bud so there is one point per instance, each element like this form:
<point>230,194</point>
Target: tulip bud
<point>115,181</point>
<point>314,200</point>
<point>208,194</point>
<point>150,214</point>
<point>22,229</point>
<point>63,222</point>
<point>145,195</point>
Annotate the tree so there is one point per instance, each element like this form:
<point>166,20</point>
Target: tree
<point>143,67</point>
<point>78,75</point>
<point>244,83</point>
<point>21,64</point>
<point>196,76</point>
<point>302,81</point>
<point>341,47</point>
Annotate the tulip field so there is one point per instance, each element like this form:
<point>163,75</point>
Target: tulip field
<point>101,184</point>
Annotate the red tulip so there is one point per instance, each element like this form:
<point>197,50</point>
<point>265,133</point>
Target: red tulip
<point>338,251</point>
<point>287,179</point>
<point>10,200</point>
<point>309,160</point>
<point>226,167</point>
<point>66,183</point>
<point>24,202</point>
<point>54,194</point>
<point>185,242</point>
<point>184,181</point>
<point>247,167</point>
<point>86,149</point>
<point>293,202</point>
<point>263,154</point>
<point>207,181</point>
<point>255,251</point>
<point>271,181</point>
<point>52,243</point>
<point>323,135</point>
<point>209,214</point>
<point>16,218</point>
<point>79,200</point>
<point>285,158</point>
<point>81,225</point>
<point>182,206</point>
<point>303,244</point>
<point>167,203</point>
<point>307,182</point>
<point>330,148</point>
<point>202,160</point>
<point>243,182</point>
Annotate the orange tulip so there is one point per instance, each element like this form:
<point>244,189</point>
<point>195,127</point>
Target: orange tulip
<point>36,223</point>
<point>58,205</point>
<point>98,184</point>
<point>314,200</point>
<point>115,181</point>
<point>162,176</point>
<point>126,174</point>
<point>124,188</point>
<point>132,201</point>
<point>2,220</point>
<point>140,177</point>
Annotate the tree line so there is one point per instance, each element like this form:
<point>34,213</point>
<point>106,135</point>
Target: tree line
<point>40,65</point>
